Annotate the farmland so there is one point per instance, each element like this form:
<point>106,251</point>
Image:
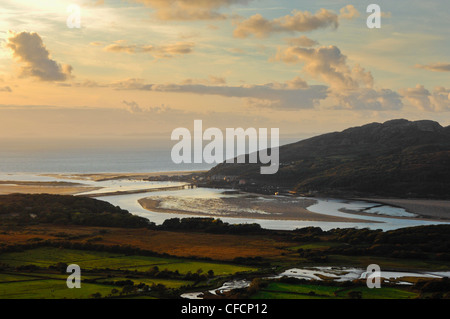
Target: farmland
<point>37,273</point>
<point>89,260</point>
<point>142,260</point>
<point>278,290</point>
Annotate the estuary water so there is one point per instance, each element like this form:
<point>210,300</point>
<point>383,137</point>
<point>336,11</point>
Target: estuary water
<point>325,206</point>
<point>379,216</point>
<point>338,274</point>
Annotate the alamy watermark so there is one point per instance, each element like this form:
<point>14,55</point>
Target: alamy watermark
<point>74,18</point>
<point>74,280</point>
<point>374,19</point>
<point>235,140</point>
<point>373,276</point>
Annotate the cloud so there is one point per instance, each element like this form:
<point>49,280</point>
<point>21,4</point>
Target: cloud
<point>302,41</point>
<point>120,48</point>
<point>351,86</point>
<point>436,67</point>
<point>163,51</point>
<point>94,3</point>
<point>297,21</point>
<point>84,84</point>
<point>329,64</point>
<point>348,12</point>
<point>190,9</point>
<point>420,97</point>
<point>29,49</point>
<point>215,80</point>
<point>295,83</point>
<point>236,51</point>
<point>5,89</point>
<point>294,94</point>
<point>130,84</point>
<point>134,108</point>
<point>369,99</point>
<point>170,50</point>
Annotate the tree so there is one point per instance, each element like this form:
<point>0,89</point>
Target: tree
<point>254,286</point>
<point>127,289</point>
<point>355,294</point>
<point>97,295</point>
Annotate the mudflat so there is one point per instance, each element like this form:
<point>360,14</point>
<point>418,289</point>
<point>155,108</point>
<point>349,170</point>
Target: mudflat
<point>57,188</point>
<point>240,207</point>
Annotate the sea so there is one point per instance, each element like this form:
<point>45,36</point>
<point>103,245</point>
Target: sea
<point>100,157</point>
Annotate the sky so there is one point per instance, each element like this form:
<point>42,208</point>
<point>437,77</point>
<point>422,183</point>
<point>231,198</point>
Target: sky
<point>138,69</point>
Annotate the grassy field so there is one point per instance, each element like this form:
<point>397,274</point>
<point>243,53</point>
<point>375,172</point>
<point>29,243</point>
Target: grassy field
<point>222,247</point>
<point>276,290</point>
<point>49,289</point>
<point>23,276</point>
<point>316,245</point>
<point>389,263</point>
<point>53,286</point>
<point>103,270</point>
<point>169,283</point>
<point>196,255</point>
<point>47,256</point>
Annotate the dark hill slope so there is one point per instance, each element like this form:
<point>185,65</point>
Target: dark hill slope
<point>28,209</point>
<point>397,158</point>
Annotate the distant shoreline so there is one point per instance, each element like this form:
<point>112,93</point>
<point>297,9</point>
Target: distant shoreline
<point>111,176</point>
<point>69,188</point>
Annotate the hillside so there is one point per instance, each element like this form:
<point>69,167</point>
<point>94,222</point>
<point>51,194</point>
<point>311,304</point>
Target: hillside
<point>396,158</point>
<point>28,209</point>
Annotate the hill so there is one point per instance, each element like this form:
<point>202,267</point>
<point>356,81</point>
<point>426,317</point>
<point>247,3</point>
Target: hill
<point>398,158</point>
<point>26,209</point>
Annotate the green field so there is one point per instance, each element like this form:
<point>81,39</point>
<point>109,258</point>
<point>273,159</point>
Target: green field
<point>316,245</point>
<point>104,271</point>
<point>276,290</point>
<point>9,277</point>
<point>53,286</point>
<point>388,263</point>
<point>169,283</point>
<point>47,256</point>
<point>49,289</point>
